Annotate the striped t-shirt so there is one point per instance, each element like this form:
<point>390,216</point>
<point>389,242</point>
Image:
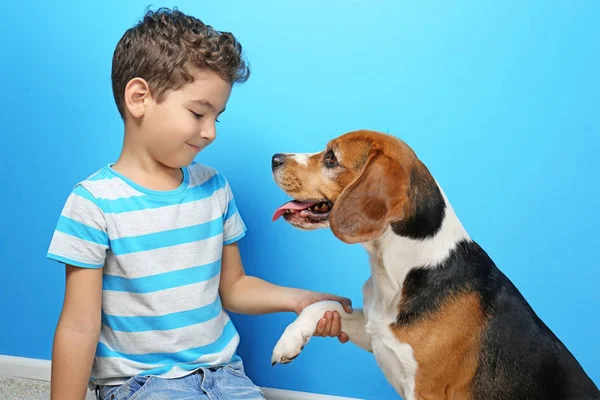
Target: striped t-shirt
<point>161,252</point>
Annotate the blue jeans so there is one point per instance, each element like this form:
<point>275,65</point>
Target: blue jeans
<point>223,383</point>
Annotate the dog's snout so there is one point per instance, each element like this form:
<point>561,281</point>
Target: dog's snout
<point>277,160</point>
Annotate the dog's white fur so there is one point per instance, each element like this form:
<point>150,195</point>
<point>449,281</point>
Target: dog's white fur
<point>302,158</point>
<point>391,258</point>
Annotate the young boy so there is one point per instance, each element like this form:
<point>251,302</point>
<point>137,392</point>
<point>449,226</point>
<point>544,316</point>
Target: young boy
<point>149,242</point>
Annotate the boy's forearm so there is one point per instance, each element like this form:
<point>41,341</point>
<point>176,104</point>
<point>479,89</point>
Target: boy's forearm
<point>251,295</point>
<point>72,357</point>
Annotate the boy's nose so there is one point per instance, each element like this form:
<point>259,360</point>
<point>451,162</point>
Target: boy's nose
<point>208,133</point>
<point>277,160</point>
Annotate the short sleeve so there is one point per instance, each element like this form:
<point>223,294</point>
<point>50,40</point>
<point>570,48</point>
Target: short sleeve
<point>80,237</point>
<point>233,226</point>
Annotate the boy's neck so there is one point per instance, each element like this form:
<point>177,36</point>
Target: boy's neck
<point>138,165</point>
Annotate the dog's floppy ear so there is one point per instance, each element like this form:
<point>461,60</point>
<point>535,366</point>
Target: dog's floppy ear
<point>376,198</point>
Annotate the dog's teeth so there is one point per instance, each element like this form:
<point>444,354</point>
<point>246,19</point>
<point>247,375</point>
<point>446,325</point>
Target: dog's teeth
<point>320,207</point>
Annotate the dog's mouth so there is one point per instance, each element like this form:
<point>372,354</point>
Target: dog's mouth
<point>304,213</point>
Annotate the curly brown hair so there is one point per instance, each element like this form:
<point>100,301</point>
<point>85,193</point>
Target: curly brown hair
<point>164,45</point>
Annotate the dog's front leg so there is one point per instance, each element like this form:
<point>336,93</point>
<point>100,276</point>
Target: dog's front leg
<point>299,332</point>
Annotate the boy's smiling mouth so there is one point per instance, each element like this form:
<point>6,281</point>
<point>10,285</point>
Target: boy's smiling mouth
<point>196,148</point>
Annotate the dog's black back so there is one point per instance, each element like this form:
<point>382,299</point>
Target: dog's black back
<point>520,358</point>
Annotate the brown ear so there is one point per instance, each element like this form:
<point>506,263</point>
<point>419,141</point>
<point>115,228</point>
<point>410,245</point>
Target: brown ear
<point>376,198</point>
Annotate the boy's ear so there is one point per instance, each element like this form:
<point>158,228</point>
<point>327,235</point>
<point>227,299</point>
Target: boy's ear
<point>137,93</point>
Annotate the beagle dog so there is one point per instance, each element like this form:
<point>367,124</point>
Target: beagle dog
<point>442,321</point>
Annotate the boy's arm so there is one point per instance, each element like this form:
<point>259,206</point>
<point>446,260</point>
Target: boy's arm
<point>245,294</point>
<point>77,333</point>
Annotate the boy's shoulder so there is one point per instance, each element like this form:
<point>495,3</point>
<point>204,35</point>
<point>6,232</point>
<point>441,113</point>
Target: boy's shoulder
<point>90,187</point>
<point>107,184</point>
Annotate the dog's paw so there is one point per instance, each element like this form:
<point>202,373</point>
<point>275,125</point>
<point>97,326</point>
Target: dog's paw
<point>290,344</point>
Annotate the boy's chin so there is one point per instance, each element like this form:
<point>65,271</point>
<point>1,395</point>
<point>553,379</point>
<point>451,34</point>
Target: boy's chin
<point>178,163</point>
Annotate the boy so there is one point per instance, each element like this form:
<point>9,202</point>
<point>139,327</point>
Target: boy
<point>149,242</point>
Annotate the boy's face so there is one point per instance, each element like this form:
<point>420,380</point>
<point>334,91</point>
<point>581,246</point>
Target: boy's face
<point>183,123</point>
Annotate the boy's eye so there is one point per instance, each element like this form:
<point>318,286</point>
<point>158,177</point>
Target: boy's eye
<point>198,116</point>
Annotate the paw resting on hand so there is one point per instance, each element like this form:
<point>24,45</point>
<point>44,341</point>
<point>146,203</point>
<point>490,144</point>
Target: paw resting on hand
<point>331,326</point>
<point>319,319</point>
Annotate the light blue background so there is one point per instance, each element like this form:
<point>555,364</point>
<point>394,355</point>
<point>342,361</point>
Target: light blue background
<point>499,99</point>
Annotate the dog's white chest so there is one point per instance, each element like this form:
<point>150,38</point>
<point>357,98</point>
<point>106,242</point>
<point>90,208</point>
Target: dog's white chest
<point>395,358</point>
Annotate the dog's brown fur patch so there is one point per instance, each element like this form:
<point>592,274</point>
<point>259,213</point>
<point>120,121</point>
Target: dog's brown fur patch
<point>446,347</point>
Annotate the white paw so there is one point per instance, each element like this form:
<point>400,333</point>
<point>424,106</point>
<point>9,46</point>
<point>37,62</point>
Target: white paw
<point>299,332</point>
<point>290,344</point>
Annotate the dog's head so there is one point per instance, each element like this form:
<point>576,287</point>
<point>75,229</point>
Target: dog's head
<point>362,183</point>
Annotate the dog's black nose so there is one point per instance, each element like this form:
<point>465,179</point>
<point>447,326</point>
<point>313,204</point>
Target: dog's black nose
<point>277,160</point>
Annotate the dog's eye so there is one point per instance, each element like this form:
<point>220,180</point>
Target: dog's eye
<point>330,160</point>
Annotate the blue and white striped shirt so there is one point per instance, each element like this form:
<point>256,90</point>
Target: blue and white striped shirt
<point>161,252</point>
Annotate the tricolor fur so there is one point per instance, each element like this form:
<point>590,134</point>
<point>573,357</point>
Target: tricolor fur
<point>442,321</point>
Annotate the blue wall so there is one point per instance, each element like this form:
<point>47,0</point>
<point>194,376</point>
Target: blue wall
<point>500,101</point>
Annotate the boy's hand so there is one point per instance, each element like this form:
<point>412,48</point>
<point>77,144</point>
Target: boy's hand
<point>331,324</point>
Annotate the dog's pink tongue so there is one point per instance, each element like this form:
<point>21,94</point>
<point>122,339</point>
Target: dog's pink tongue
<point>292,205</point>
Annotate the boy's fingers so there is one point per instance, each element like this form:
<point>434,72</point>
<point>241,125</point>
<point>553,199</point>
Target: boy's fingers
<point>344,301</point>
<point>320,327</point>
<point>343,337</point>
<point>336,326</point>
<point>347,304</point>
<point>327,330</point>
